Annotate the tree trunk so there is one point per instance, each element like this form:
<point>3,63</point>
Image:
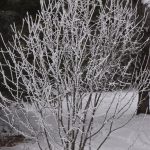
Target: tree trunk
<point>143,103</point>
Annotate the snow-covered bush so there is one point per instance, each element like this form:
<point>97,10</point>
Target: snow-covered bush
<point>66,65</point>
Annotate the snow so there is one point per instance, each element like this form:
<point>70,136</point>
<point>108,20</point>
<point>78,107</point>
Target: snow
<point>134,136</point>
<point>146,2</point>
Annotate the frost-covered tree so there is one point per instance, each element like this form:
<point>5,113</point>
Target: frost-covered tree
<point>66,65</point>
<point>144,60</point>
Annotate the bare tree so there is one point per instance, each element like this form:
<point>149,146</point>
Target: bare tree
<point>66,65</point>
<point>143,102</point>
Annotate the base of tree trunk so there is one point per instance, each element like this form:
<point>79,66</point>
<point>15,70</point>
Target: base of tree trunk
<point>143,103</point>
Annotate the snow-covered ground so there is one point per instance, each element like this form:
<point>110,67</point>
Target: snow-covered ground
<point>134,136</point>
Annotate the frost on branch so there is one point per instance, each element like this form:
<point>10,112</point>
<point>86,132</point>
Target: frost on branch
<point>66,65</point>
